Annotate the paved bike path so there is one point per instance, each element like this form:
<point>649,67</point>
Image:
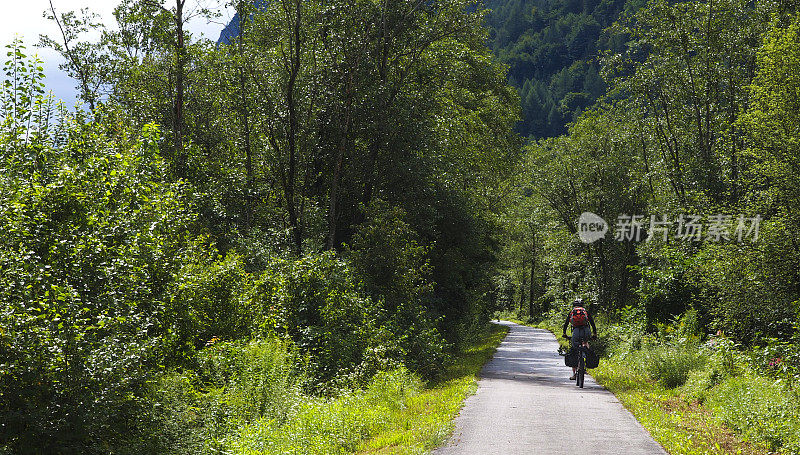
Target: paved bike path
<point>526,404</point>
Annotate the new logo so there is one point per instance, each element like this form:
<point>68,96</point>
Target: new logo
<point>591,227</point>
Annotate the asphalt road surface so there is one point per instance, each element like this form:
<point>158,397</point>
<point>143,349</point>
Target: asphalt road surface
<point>526,404</point>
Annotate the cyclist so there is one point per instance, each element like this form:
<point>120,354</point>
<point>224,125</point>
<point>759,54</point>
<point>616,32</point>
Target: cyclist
<point>580,320</point>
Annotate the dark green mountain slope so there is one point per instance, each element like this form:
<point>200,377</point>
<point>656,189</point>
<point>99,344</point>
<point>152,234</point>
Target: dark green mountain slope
<point>551,47</point>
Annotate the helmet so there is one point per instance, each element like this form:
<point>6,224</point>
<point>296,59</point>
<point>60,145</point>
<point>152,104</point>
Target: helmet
<point>577,302</point>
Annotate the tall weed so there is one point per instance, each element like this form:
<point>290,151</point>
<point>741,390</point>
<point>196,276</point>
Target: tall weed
<point>671,365</point>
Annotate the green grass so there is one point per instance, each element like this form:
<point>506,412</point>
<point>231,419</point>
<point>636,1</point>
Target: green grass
<point>395,414</point>
<point>681,426</point>
<point>427,419</point>
<point>760,409</point>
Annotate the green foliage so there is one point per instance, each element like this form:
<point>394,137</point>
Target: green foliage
<point>698,387</point>
<point>674,417</point>
<point>700,118</point>
<point>386,251</point>
<point>676,135</point>
<point>173,257</point>
<point>725,361</point>
<point>552,51</point>
<point>759,409</point>
<point>259,378</point>
<point>630,333</point>
<point>663,288</point>
<point>671,365</point>
<point>233,383</point>
<point>207,300</point>
<point>779,359</point>
<point>330,426</point>
<point>315,302</point>
<point>772,119</point>
<point>92,236</point>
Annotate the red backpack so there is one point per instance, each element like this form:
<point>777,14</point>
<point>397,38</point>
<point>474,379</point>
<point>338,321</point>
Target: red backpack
<point>579,317</point>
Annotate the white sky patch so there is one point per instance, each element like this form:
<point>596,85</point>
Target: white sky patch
<point>24,18</point>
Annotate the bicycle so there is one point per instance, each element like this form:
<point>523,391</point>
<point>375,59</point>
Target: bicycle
<point>583,348</point>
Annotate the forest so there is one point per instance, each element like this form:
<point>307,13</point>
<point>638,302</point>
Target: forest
<point>553,49</point>
<point>698,126</point>
<point>306,207</point>
<point>268,244</point>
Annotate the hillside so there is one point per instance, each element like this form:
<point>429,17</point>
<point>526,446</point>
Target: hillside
<point>551,49</point>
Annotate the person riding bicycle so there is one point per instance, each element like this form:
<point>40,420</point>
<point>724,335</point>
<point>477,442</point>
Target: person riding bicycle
<point>580,320</point>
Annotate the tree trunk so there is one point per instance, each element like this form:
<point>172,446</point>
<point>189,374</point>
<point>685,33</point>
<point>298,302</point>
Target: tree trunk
<point>180,70</point>
<point>524,286</point>
<point>337,170</point>
<point>534,291</point>
<point>244,114</point>
<point>294,71</point>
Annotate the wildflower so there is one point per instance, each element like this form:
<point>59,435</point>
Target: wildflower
<point>775,362</point>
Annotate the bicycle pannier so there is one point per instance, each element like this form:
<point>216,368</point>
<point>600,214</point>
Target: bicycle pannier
<point>571,359</point>
<point>592,359</point>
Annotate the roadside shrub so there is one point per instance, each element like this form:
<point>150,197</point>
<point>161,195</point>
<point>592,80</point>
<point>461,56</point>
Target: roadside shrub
<point>725,358</point>
<point>206,301</point>
<point>681,329</point>
<point>671,365</point>
<point>92,237</point>
<point>417,342</point>
<point>259,378</point>
<point>780,358</point>
<point>698,383</point>
<point>387,255</point>
<point>725,361</point>
<point>626,336</point>
<point>315,301</point>
<point>390,259</point>
<point>330,426</point>
<point>664,289</point>
<point>232,385</point>
<point>749,284</point>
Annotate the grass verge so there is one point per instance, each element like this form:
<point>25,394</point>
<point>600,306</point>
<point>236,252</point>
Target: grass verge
<point>426,421</point>
<point>681,426</point>
<point>395,414</point>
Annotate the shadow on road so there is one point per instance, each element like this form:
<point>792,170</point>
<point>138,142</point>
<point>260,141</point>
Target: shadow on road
<point>530,354</point>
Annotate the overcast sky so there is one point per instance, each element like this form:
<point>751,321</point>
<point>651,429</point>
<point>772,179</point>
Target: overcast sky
<point>24,18</point>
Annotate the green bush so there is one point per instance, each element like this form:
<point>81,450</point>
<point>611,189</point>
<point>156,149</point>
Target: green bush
<point>329,426</point>
<point>315,301</point>
<point>259,378</point>
<point>780,358</point>
<point>725,358</point>
<point>625,336</point>
<point>92,237</point>
<point>207,299</point>
<point>725,361</point>
<point>671,365</point>
<point>234,384</point>
<point>664,289</point>
<point>698,383</point>
<point>388,257</point>
<point>750,285</point>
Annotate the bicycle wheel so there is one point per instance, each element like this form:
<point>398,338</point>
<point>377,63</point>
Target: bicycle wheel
<point>581,369</point>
